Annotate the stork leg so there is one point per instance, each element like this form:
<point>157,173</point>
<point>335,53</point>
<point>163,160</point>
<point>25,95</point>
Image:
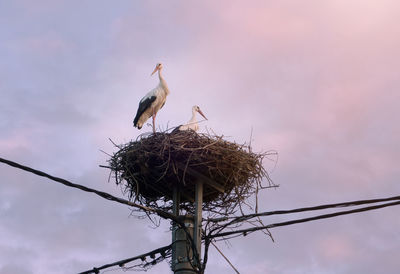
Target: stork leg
<point>154,118</point>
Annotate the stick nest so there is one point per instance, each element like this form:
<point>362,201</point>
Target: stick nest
<point>150,167</point>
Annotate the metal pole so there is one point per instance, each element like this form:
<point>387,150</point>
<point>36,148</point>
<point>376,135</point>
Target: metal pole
<point>175,211</point>
<point>176,199</point>
<point>183,254</point>
<point>198,215</point>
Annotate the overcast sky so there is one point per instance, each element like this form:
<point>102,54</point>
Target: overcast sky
<point>318,81</point>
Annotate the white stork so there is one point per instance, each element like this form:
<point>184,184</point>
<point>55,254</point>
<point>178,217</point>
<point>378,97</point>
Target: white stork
<point>152,102</point>
<point>192,123</point>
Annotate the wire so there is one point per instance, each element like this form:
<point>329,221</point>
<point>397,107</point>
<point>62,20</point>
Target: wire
<point>220,234</point>
<point>102,194</point>
<point>225,258</point>
<point>297,221</point>
<point>105,195</point>
<point>238,219</point>
<point>122,262</point>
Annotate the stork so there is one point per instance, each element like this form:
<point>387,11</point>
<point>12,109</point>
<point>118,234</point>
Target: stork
<point>152,102</point>
<point>192,123</point>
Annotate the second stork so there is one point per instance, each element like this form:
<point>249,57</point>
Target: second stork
<point>192,124</point>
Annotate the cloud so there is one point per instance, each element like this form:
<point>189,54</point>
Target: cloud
<point>316,81</point>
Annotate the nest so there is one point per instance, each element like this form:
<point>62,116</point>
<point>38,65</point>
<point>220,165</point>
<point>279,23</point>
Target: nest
<point>153,165</point>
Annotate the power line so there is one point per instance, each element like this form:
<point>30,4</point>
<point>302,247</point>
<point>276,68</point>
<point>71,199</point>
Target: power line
<point>253,229</point>
<point>219,234</point>
<point>102,194</point>
<point>226,259</point>
<point>121,263</point>
<point>297,221</point>
<point>242,218</point>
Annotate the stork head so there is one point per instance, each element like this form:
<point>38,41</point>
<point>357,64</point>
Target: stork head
<point>159,66</point>
<point>197,108</point>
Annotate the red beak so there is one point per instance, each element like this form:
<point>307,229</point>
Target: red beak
<point>154,71</point>
<point>202,114</point>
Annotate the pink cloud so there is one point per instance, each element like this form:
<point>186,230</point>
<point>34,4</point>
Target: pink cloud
<point>336,248</point>
<point>16,142</point>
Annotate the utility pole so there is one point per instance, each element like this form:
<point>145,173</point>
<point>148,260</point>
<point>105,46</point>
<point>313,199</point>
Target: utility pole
<point>183,259</point>
<point>198,216</point>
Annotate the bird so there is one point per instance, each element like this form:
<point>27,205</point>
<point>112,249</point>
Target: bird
<point>152,102</point>
<point>192,123</point>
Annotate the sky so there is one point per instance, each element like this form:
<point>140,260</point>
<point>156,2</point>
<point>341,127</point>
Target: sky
<point>315,80</point>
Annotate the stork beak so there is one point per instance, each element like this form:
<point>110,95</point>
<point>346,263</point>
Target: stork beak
<point>154,71</point>
<point>202,114</point>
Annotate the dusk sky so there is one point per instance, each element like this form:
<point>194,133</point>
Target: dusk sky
<point>318,81</point>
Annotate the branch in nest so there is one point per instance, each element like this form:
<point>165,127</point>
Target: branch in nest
<point>150,167</point>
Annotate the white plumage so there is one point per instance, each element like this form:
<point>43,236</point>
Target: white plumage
<point>152,102</point>
<point>192,124</point>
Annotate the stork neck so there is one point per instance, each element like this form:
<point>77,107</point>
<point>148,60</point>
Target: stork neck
<point>193,119</point>
<point>163,83</point>
<point>160,76</point>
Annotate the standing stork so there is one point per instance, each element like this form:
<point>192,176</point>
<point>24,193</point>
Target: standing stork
<point>192,123</point>
<point>152,102</point>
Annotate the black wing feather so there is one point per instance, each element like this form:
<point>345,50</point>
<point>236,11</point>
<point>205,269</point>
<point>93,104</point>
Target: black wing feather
<point>177,129</point>
<point>143,106</point>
